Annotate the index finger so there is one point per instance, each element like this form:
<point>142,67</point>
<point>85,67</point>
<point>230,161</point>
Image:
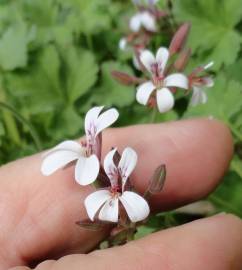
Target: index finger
<point>38,213</point>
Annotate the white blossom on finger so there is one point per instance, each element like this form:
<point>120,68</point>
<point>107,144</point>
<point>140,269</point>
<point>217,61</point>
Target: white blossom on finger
<point>199,83</point>
<point>160,83</point>
<point>86,155</point>
<point>105,203</point>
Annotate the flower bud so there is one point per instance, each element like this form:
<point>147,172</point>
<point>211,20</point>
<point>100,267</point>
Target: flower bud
<point>93,226</point>
<point>182,60</point>
<point>157,181</point>
<point>123,77</point>
<point>179,39</point>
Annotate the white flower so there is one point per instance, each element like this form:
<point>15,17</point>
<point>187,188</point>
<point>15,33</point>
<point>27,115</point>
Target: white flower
<point>86,155</point>
<point>107,201</point>
<point>143,19</point>
<point>156,66</point>
<point>147,2</point>
<point>123,44</point>
<point>198,84</point>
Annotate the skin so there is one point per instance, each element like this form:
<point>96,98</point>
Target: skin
<point>38,213</point>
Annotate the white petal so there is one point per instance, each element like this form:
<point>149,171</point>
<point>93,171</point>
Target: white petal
<point>209,82</point>
<point>123,44</point>
<point>136,206</point>
<point>86,170</point>
<point>106,119</point>
<point>148,59</point>
<point>209,65</point>
<point>165,100</point>
<point>95,200</point>
<point>148,21</point>
<point>109,211</point>
<point>162,57</point>
<point>60,156</point>
<point>135,23</point>
<point>91,118</point>
<point>198,96</point>
<point>110,168</point>
<point>176,80</point>
<point>144,91</point>
<point>152,2</point>
<point>127,164</point>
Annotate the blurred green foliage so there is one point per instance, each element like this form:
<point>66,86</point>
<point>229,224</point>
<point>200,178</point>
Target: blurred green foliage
<point>55,63</point>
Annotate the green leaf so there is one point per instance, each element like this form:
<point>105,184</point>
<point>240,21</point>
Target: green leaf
<point>110,92</point>
<point>38,89</point>
<point>81,72</point>
<point>13,47</point>
<point>66,124</point>
<point>223,100</point>
<point>213,35</point>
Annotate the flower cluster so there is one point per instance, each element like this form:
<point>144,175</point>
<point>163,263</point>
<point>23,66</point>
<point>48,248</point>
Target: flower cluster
<point>116,201</point>
<point>164,72</point>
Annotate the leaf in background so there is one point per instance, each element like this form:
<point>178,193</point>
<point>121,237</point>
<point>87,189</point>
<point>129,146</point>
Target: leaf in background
<point>38,89</point>
<point>81,72</point>
<point>66,124</point>
<point>227,197</point>
<point>93,15</point>
<point>223,100</point>
<point>110,92</point>
<point>13,47</point>
<point>212,35</point>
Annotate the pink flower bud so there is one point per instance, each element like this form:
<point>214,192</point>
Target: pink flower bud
<point>182,60</point>
<point>179,39</point>
<point>157,181</point>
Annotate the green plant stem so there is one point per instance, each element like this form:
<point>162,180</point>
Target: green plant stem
<point>153,115</point>
<point>32,131</point>
<point>10,123</point>
<point>89,41</point>
<point>236,167</point>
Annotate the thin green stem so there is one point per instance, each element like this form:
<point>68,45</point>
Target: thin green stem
<point>10,123</point>
<point>24,122</point>
<point>89,41</point>
<point>153,115</point>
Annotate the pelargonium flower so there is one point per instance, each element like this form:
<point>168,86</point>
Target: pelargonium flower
<point>86,154</point>
<point>106,202</point>
<point>160,84</point>
<point>143,19</point>
<point>198,83</point>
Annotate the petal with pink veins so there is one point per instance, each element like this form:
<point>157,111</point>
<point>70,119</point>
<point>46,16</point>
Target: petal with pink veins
<point>162,57</point>
<point>110,168</point>
<point>148,59</point>
<point>91,118</point>
<point>127,164</point>
<point>106,119</point>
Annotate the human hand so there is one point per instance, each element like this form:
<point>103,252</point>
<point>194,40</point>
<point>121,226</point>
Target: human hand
<point>38,213</point>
